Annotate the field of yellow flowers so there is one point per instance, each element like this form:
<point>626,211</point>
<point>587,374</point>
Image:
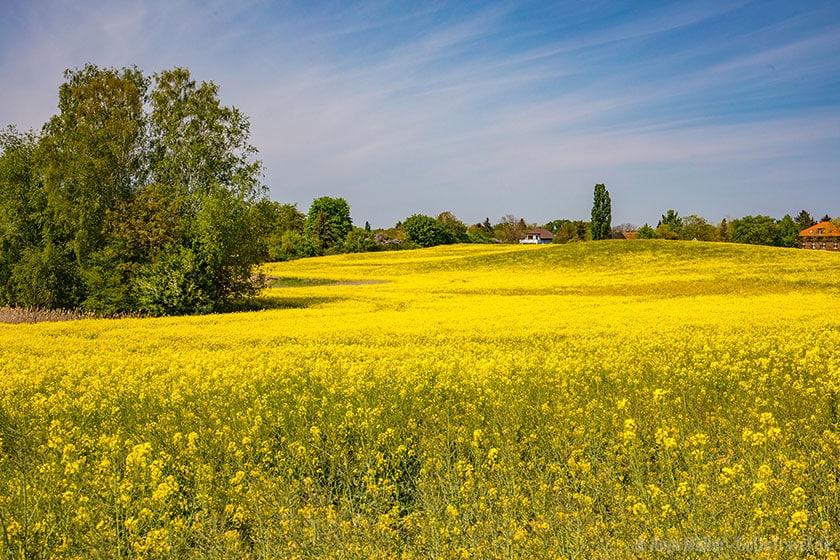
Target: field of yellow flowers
<point>616,399</point>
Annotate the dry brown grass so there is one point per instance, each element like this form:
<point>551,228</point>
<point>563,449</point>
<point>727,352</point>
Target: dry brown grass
<point>15,315</point>
<point>24,315</point>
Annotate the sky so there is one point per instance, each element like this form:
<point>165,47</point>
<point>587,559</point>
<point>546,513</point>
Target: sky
<point>720,108</point>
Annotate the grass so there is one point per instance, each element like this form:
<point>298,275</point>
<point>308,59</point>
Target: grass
<point>292,282</point>
<point>13,315</point>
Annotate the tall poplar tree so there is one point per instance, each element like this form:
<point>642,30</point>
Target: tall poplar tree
<point>601,223</point>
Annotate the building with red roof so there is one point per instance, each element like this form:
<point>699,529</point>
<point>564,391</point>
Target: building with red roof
<point>824,236</point>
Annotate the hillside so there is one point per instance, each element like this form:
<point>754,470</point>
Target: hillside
<point>597,400</point>
<point>560,284</point>
<point>611,263</point>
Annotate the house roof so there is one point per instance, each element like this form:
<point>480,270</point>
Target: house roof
<point>630,234</point>
<point>542,232</point>
<point>822,229</point>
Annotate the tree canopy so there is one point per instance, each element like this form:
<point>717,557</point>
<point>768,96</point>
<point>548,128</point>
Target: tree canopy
<point>804,220</point>
<point>139,194</point>
<point>426,231</point>
<point>327,223</point>
<point>753,230</point>
<point>694,227</point>
<point>601,214</point>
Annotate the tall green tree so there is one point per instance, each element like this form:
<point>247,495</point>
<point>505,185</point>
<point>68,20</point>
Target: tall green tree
<point>787,232</point>
<point>197,144</point>
<point>696,227</point>
<point>200,149</point>
<point>327,223</point>
<point>510,229</point>
<point>754,230</point>
<point>137,189</point>
<point>646,232</point>
<point>22,201</point>
<point>804,220</point>
<point>672,219</point>
<point>426,231</point>
<point>601,223</point>
<point>456,228</point>
<point>92,153</point>
<point>282,227</point>
<point>723,231</point>
<point>670,225</point>
<point>30,269</point>
<point>91,160</point>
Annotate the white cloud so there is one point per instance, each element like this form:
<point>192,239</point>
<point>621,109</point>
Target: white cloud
<point>401,106</point>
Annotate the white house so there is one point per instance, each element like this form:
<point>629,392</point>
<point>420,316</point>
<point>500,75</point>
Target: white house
<point>538,236</point>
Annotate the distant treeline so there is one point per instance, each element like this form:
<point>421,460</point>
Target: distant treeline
<point>143,194</point>
<point>753,230</point>
<point>294,234</point>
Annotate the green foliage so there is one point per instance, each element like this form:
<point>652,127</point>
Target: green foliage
<point>572,231</point>
<point>646,232</point>
<point>289,218</point>
<point>174,284</point>
<point>281,226</point>
<point>723,231</point>
<point>425,231</point>
<point>804,220</point>
<point>671,219</point>
<point>510,229</point>
<point>150,222</point>
<point>696,228</point>
<point>45,276</point>
<point>555,225</point>
<point>786,232</point>
<point>92,154</point>
<point>664,231</point>
<point>106,279</point>
<point>22,204</point>
<point>132,179</point>
<point>669,226</point>
<point>754,230</point>
<point>327,224</point>
<point>456,228</point>
<point>601,223</point>
<point>197,144</point>
<point>226,241</point>
<point>361,240</point>
<point>290,245</point>
<point>478,235</point>
<point>35,270</point>
<point>481,232</point>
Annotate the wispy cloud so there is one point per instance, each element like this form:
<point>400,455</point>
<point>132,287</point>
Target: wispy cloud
<point>405,107</point>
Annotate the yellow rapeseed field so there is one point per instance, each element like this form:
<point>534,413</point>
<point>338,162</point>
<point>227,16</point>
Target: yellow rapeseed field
<point>615,399</point>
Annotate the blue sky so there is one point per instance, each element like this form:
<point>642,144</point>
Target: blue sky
<point>484,109</point>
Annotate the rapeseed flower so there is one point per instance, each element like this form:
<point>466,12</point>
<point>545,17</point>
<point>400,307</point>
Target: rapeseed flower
<point>463,401</point>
